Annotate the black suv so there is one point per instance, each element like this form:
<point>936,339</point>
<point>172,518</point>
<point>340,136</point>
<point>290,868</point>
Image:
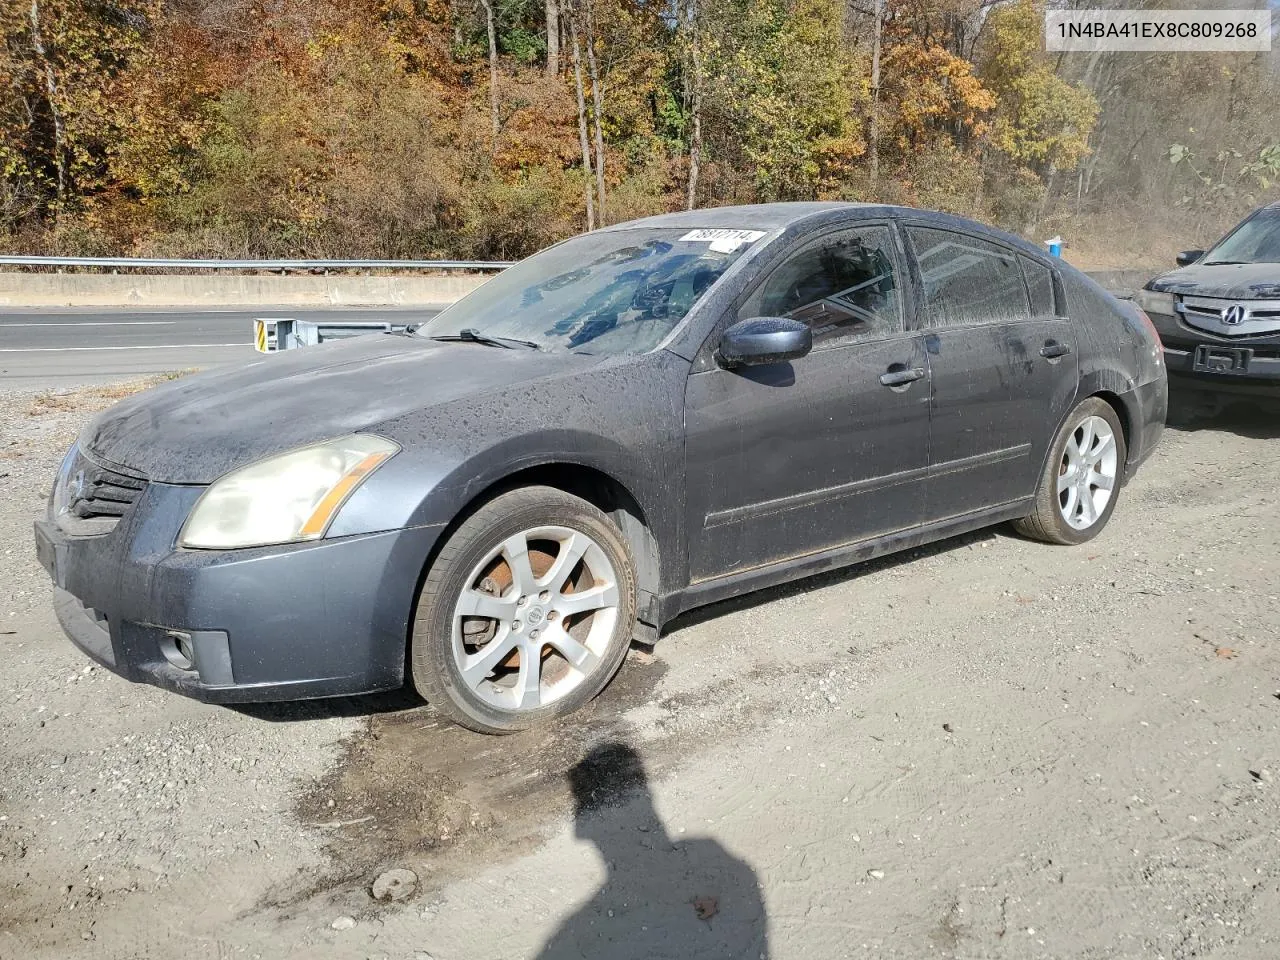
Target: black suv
<point>1219,314</point>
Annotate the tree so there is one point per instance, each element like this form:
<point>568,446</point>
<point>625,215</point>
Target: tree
<point>492,127</point>
<point>582,122</point>
<point>491,30</point>
<point>1041,119</point>
<point>553,37</point>
<point>65,106</point>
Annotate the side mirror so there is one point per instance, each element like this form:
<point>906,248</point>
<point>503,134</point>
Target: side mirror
<point>1188,257</point>
<point>764,340</point>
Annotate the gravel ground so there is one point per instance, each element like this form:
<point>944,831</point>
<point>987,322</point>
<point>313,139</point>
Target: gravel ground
<point>988,748</point>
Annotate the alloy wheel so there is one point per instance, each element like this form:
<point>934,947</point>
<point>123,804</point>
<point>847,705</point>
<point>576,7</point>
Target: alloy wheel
<point>535,618</point>
<point>1088,472</point>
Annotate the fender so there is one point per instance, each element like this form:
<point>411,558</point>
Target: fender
<point>1110,381</point>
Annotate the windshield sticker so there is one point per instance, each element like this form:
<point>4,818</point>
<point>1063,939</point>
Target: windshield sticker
<point>723,241</point>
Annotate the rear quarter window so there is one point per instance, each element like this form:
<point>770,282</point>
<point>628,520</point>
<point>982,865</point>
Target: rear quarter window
<point>1040,286</point>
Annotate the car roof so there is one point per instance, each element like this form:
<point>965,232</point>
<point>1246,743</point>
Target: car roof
<point>778,216</point>
<point>754,216</point>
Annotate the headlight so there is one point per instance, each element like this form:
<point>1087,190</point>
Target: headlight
<point>285,498</point>
<point>61,491</point>
<point>1154,302</point>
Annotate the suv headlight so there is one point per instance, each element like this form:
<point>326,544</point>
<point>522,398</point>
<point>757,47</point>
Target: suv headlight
<point>1154,301</point>
<point>285,498</point>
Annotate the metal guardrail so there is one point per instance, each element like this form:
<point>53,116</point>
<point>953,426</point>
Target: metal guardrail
<point>275,266</point>
<point>272,334</point>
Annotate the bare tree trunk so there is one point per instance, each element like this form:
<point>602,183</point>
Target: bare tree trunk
<point>51,92</point>
<point>1092,164</point>
<point>553,37</point>
<point>1043,206</point>
<point>873,125</point>
<point>695,151</point>
<point>694,88</point>
<point>582,124</point>
<point>597,96</point>
<point>493,69</point>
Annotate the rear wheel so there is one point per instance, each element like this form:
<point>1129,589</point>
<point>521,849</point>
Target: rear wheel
<point>526,614</point>
<point>1077,494</point>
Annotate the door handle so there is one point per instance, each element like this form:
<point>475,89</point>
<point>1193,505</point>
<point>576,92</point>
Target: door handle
<point>1053,349</point>
<point>898,378</point>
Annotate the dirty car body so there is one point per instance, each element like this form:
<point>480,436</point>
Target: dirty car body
<point>911,418</point>
<point>1219,314</point>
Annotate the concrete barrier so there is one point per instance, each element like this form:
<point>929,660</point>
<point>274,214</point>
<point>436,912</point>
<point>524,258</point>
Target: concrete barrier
<point>138,290</point>
<point>1122,283</point>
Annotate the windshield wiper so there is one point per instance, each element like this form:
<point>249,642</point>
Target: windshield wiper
<point>472,335</point>
<point>1224,263</point>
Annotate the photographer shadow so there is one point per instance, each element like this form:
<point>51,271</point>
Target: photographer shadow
<point>662,899</point>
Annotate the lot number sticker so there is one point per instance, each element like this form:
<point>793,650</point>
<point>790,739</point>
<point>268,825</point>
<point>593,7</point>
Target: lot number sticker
<point>723,241</point>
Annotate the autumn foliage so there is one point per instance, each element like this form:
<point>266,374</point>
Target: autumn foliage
<point>376,127</point>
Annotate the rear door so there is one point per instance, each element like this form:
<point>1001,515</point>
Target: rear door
<point>1002,365</point>
<point>789,459</point>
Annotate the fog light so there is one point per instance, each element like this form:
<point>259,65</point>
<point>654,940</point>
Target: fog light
<point>177,649</point>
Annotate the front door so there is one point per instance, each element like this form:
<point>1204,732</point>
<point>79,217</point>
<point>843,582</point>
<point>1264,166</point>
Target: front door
<point>1003,368</point>
<point>790,459</point>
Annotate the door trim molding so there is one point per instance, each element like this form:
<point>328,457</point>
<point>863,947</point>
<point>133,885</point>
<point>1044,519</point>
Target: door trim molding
<point>813,498</point>
<point>723,586</point>
<point>979,460</point>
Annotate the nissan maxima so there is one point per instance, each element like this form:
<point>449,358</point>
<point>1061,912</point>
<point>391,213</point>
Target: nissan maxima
<point>632,423</point>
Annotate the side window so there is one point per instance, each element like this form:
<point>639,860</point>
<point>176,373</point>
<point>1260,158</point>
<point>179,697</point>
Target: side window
<point>967,281</point>
<point>842,284</point>
<point>1040,283</point>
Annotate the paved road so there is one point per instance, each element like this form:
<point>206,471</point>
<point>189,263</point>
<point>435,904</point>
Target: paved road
<point>59,347</point>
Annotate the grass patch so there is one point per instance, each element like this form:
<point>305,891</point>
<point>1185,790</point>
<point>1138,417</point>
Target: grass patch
<point>92,399</point>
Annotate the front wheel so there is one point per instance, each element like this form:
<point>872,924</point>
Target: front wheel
<point>526,614</point>
<point>1077,494</point>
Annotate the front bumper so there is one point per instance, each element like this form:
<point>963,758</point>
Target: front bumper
<point>1200,360</point>
<point>320,619</point>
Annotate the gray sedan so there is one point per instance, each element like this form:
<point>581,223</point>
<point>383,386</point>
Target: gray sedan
<point>632,423</point>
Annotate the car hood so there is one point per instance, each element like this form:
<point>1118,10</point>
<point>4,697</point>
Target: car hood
<point>195,429</point>
<point>1231,281</point>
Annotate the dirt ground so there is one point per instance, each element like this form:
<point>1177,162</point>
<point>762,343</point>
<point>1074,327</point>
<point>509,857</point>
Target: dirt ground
<point>987,748</point>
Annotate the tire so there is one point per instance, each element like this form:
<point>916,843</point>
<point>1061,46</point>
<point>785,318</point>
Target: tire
<point>1067,471</point>
<point>482,607</point>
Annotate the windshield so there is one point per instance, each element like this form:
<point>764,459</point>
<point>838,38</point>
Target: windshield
<point>1257,240</point>
<point>600,293</point>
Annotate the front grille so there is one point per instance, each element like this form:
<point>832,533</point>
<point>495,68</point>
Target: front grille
<point>90,498</point>
<point>105,494</point>
<point>1255,318</point>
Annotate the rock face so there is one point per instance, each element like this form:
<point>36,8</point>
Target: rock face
<point>395,885</point>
